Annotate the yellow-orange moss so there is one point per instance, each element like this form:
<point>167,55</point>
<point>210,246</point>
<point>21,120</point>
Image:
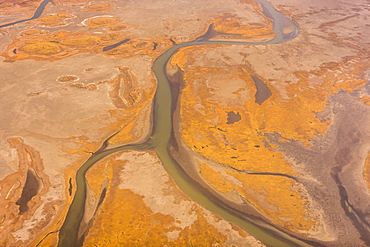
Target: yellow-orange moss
<point>101,21</point>
<point>42,48</point>
<point>98,173</point>
<point>62,44</point>
<point>118,27</point>
<point>243,145</point>
<point>294,118</point>
<point>132,107</point>
<point>135,47</point>
<point>33,32</point>
<point>367,171</point>
<point>128,120</point>
<point>110,37</point>
<point>127,133</point>
<point>366,100</point>
<point>239,145</point>
<point>274,196</point>
<point>98,7</point>
<point>201,233</point>
<point>53,20</point>
<point>67,78</point>
<point>286,10</point>
<point>231,24</point>
<point>90,86</point>
<point>125,220</point>
<point>50,240</point>
<point>215,179</point>
<point>6,4</point>
<point>81,41</point>
<point>35,41</point>
<point>85,146</point>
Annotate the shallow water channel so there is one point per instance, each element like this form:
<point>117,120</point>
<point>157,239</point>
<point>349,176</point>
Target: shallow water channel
<point>36,15</point>
<point>159,141</point>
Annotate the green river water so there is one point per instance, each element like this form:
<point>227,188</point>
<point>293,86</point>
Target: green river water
<point>159,141</point>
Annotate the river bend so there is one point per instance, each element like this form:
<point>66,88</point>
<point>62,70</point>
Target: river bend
<point>159,141</point>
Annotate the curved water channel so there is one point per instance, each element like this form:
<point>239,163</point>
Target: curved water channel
<point>36,15</point>
<point>159,141</point>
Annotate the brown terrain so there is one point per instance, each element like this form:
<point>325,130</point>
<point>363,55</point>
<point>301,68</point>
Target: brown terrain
<point>274,133</point>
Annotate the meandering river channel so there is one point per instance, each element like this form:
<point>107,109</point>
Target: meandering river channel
<point>159,141</point>
<point>36,15</point>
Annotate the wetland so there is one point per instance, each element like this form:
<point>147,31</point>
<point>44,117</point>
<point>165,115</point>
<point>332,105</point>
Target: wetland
<point>205,122</point>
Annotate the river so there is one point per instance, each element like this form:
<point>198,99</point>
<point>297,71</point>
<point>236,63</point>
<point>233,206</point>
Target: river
<point>36,15</point>
<point>159,141</point>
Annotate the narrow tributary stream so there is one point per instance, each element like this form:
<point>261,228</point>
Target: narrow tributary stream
<point>36,15</point>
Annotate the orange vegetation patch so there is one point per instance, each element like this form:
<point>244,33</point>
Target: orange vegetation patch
<point>26,7</point>
<point>33,32</point>
<point>242,145</point>
<point>68,78</point>
<point>215,179</point>
<point>275,196</point>
<point>367,171</point>
<point>98,7</point>
<point>90,86</point>
<point>54,20</point>
<point>231,24</point>
<point>101,21</point>
<point>134,47</point>
<point>125,92</point>
<point>81,41</point>
<point>25,2</point>
<point>278,199</point>
<point>366,100</point>
<point>51,46</point>
<point>5,5</point>
<point>99,172</point>
<point>206,131</point>
<point>286,10</point>
<point>131,124</point>
<point>206,98</point>
<point>298,111</point>
<point>42,48</point>
<point>125,220</point>
<point>138,225</point>
<point>133,107</point>
<point>118,27</point>
<point>39,45</point>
